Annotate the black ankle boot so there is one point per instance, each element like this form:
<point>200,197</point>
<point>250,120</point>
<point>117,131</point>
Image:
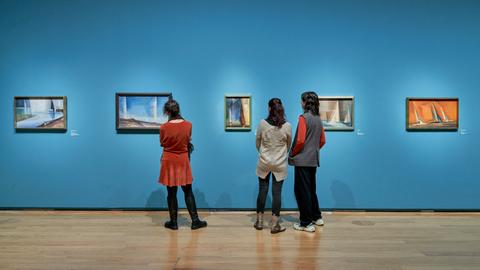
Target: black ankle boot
<point>192,210</point>
<point>197,224</point>
<point>171,225</point>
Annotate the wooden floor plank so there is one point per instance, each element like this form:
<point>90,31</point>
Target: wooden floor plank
<point>137,240</point>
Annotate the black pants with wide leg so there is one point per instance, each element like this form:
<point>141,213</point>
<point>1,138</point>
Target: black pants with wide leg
<point>306,194</point>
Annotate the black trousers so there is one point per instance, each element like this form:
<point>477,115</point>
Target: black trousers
<point>276,194</point>
<point>306,194</point>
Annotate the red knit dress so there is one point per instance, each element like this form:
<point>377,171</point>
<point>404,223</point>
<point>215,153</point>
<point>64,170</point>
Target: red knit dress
<point>175,166</point>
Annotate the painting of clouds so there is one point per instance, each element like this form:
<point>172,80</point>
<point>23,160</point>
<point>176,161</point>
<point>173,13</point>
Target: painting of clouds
<point>41,113</point>
<point>141,111</point>
<point>337,113</point>
<point>432,114</point>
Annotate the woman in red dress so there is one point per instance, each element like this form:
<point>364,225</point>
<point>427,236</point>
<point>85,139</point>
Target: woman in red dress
<point>175,164</point>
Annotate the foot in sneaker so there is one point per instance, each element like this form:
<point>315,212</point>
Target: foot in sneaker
<point>319,222</point>
<point>309,228</point>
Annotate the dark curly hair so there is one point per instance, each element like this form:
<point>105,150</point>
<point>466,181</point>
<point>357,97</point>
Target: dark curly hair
<point>310,99</point>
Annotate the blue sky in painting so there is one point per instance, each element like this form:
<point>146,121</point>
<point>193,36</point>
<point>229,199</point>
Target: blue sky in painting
<point>142,108</point>
<point>234,110</point>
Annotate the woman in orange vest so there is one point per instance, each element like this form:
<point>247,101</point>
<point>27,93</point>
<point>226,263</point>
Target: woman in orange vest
<point>175,171</point>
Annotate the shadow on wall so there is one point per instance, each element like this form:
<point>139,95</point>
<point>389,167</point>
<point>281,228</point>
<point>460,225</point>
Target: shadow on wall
<point>156,200</point>
<point>224,201</point>
<point>342,195</point>
<point>200,199</point>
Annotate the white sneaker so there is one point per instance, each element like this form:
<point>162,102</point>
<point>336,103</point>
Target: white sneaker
<point>319,222</point>
<point>309,228</point>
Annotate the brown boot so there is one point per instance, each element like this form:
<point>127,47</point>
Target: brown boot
<point>276,227</point>
<point>259,223</point>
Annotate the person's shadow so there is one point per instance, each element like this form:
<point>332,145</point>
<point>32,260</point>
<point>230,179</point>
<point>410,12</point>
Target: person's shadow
<point>157,201</point>
<point>200,199</point>
<point>342,194</point>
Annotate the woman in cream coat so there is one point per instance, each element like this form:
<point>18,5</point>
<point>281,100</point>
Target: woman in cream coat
<point>273,140</point>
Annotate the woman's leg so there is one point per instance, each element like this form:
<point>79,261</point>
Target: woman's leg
<point>261,198</point>
<point>303,195</point>
<point>172,208</point>
<point>277,196</point>
<point>262,193</point>
<point>192,208</point>
<point>276,205</point>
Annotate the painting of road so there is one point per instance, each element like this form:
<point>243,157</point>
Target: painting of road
<point>141,112</point>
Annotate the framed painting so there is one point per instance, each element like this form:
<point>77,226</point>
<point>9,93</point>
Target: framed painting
<point>432,114</point>
<point>40,113</point>
<point>238,112</point>
<point>337,112</point>
<point>140,111</point>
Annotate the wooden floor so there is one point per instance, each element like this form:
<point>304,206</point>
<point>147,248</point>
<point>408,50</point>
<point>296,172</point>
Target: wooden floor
<point>137,240</point>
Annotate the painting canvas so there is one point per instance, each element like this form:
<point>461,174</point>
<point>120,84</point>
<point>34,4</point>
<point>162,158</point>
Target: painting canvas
<point>40,113</point>
<point>337,113</point>
<point>141,111</point>
<point>238,113</point>
<point>432,114</point>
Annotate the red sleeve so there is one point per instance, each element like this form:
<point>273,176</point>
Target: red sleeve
<point>162,136</point>
<point>322,138</point>
<point>301,134</point>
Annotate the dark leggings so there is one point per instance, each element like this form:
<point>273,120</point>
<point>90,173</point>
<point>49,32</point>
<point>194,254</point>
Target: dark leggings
<point>276,194</point>
<point>187,191</point>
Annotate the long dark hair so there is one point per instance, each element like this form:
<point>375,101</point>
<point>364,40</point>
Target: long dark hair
<point>172,109</point>
<point>310,99</point>
<point>276,115</point>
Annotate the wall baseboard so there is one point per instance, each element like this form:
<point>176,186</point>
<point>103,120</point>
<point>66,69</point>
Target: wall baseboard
<point>237,209</point>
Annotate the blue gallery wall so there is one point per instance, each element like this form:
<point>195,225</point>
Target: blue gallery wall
<point>378,51</point>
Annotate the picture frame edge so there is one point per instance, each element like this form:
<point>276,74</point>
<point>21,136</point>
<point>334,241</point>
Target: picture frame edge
<point>226,128</point>
<point>455,129</point>
<point>63,129</point>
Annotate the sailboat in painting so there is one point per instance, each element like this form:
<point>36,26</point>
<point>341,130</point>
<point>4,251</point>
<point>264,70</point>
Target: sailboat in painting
<point>336,112</point>
<point>433,114</point>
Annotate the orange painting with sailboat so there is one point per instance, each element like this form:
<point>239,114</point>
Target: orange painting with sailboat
<point>432,114</point>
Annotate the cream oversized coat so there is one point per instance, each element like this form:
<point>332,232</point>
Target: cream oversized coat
<point>272,145</point>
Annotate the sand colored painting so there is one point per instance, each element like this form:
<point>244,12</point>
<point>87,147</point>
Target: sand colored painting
<point>237,113</point>
<point>434,114</point>
<point>40,113</point>
<point>141,111</point>
<point>336,113</point>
